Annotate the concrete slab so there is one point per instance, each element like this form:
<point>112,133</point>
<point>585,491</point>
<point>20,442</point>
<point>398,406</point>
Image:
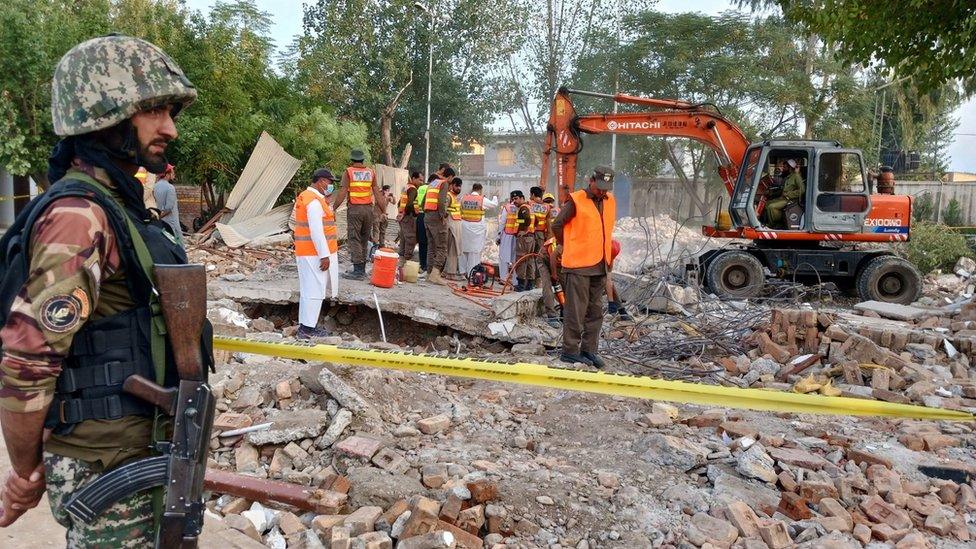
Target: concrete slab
<point>894,310</point>
<point>512,318</point>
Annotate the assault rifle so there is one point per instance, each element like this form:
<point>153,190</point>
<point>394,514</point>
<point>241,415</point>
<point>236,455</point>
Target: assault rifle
<point>182,465</point>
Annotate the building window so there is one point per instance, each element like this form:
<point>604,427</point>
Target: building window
<point>506,155</point>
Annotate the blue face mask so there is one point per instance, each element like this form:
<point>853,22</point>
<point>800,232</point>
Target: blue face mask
<point>330,189</point>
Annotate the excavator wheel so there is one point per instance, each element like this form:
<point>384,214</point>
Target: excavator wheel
<point>891,279</point>
<point>735,275</point>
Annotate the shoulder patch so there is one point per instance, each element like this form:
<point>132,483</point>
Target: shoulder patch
<point>61,313</point>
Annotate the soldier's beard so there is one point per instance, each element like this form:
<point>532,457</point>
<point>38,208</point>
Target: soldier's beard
<point>123,143</point>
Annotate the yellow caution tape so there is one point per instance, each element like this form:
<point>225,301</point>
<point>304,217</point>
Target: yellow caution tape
<point>592,382</point>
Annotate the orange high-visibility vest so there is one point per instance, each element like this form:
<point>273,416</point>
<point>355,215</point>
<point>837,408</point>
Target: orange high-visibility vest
<point>472,207</point>
<point>360,185</point>
<point>402,206</point>
<point>530,228</point>
<point>540,213</point>
<point>303,233</point>
<point>588,235</point>
<point>454,207</point>
<point>433,195</point>
<point>511,219</point>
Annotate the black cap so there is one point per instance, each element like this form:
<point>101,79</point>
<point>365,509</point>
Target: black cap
<point>357,156</point>
<point>604,177</point>
<point>516,194</point>
<point>323,173</point>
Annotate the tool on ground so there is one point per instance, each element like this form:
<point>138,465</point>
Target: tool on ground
<point>594,382</point>
<point>182,465</point>
<point>482,275</point>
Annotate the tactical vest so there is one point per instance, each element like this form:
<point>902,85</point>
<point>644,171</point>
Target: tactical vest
<point>105,351</point>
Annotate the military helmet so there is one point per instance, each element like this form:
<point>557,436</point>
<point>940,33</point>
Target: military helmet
<point>106,80</point>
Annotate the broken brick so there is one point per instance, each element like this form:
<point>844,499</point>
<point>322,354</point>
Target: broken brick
<point>878,510</point>
<point>775,534</point>
<point>814,491</point>
<point>358,446</point>
<point>862,456</point>
<point>390,460</point>
<point>794,506</point>
<point>433,425</point>
<point>229,421</point>
<point>743,518</point>
<point>471,520</point>
<point>482,491</point>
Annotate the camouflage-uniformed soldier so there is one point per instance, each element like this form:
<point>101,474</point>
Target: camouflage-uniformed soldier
<point>81,321</point>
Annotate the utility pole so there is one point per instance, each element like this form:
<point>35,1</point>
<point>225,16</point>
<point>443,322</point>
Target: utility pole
<point>616,89</point>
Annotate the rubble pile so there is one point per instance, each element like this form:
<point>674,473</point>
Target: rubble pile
<point>652,241</point>
<point>923,362</point>
<point>236,263</point>
<point>945,288</point>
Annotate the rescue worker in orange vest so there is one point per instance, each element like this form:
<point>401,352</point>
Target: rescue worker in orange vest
<point>407,217</point>
<point>473,228</point>
<point>359,184</point>
<point>584,231</point>
<point>316,251</point>
<point>452,267</point>
<point>436,202</point>
<point>507,233</point>
<point>525,245</point>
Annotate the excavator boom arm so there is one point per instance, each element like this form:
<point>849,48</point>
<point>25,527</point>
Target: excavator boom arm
<point>681,119</point>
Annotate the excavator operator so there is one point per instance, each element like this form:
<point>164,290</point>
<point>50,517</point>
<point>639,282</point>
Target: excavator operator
<point>794,188</point>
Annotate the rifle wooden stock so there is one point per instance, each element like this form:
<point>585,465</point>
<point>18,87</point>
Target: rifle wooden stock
<point>141,387</point>
<point>183,296</point>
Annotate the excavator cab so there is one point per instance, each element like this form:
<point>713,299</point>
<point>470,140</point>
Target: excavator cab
<point>835,197</point>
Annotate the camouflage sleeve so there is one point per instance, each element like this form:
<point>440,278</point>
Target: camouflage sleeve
<point>72,250</point>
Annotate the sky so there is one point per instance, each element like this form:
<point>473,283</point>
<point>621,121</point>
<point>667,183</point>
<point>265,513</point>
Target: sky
<point>287,17</point>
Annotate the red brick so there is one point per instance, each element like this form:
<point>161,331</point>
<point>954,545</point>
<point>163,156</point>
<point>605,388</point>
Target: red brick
<point>358,446</point>
<point>395,511</point>
<point>935,442</point>
<point>435,424</point>
<point>329,502</point>
<point>228,421</point>
<point>794,506</point>
<point>912,442</point>
<point>787,482</point>
<point>482,491</point>
<point>815,491</point>
<point>451,508</point>
<point>471,520</point>
<point>767,346</point>
<point>884,532</point>
<point>737,429</point>
<point>878,510</point>
<point>861,456</point>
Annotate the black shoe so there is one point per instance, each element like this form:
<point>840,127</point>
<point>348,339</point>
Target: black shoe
<point>519,287</point>
<point>305,333</point>
<point>624,315</point>
<point>574,358</point>
<point>593,360</point>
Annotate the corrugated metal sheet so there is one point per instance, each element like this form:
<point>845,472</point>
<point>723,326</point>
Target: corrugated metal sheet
<point>267,173</point>
<point>258,227</point>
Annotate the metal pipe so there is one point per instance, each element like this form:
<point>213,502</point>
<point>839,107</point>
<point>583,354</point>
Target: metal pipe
<point>262,490</point>
<point>379,313</point>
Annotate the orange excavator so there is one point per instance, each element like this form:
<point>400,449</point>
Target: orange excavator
<point>804,205</point>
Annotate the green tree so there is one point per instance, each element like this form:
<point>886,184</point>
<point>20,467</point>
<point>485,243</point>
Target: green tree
<point>320,140</point>
<point>33,37</point>
<point>930,42</point>
<point>952,215</point>
<point>369,60</point>
<point>923,208</point>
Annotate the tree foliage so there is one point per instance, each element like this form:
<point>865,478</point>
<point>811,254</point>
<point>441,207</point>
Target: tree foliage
<point>357,56</point>
<point>952,215</point>
<point>930,42</point>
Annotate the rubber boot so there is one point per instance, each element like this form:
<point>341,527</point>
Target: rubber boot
<point>358,272</point>
<point>435,277</point>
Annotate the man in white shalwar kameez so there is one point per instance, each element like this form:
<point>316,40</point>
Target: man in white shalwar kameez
<point>316,252</point>
<point>474,229</point>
